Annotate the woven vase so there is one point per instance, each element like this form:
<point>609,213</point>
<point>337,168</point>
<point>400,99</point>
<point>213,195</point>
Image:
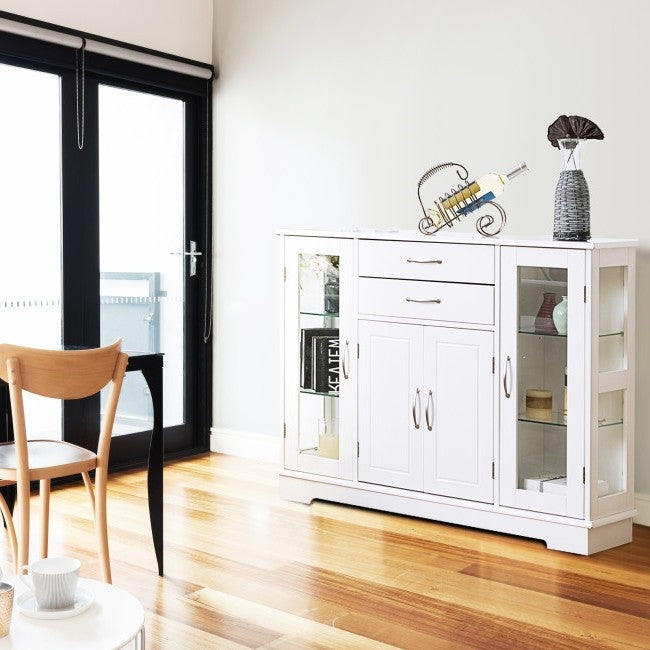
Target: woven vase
<point>571,219</point>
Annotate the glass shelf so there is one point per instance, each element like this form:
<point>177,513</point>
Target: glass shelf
<point>325,314</point>
<point>306,391</point>
<point>555,334</point>
<point>556,419</point>
<point>534,333</point>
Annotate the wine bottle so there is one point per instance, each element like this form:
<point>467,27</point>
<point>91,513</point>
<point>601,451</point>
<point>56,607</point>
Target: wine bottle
<point>476,194</point>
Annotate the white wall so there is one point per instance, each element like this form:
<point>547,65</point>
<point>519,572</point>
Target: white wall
<point>328,112</point>
<point>181,27</point>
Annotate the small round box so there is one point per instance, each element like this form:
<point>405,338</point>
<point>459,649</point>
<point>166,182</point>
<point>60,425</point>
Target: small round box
<point>539,404</point>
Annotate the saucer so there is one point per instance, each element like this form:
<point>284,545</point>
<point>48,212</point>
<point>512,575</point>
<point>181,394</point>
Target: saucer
<point>27,605</point>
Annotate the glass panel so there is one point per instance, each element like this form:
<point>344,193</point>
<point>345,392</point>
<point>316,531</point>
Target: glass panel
<point>319,355</point>
<point>30,205</point>
<point>612,450</point>
<point>541,379</point>
<point>141,169</point>
<point>612,318</point>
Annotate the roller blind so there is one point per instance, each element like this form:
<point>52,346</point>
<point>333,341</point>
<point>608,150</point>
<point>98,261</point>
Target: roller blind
<point>21,26</point>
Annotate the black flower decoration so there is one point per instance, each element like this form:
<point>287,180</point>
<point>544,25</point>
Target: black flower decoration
<point>573,126</point>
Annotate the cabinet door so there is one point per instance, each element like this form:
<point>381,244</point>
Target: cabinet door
<point>391,408</point>
<point>458,424</point>
<point>543,426</point>
<point>319,367</point>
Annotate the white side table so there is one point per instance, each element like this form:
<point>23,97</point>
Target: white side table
<point>114,619</point>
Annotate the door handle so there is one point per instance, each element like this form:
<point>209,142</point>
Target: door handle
<point>192,253</point>
<point>426,411</point>
<point>507,390</point>
<point>344,362</point>
<point>416,400</point>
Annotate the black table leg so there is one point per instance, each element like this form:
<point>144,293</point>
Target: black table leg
<point>154,379</point>
<point>6,435</point>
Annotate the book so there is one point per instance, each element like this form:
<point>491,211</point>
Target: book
<point>325,364</point>
<point>306,337</point>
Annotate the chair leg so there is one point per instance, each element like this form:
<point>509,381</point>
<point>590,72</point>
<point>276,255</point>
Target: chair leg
<point>9,521</point>
<point>89,487</point>
<point>101,523</point>
<point>22,506</point>
<point>44,491</point>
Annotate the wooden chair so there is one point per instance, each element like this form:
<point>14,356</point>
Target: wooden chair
<point>59,374</point>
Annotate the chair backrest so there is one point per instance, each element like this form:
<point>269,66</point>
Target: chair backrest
<point>62,374</point>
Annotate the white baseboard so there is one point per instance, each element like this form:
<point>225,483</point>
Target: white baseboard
<point>247,444</point>
<point>642,504</point>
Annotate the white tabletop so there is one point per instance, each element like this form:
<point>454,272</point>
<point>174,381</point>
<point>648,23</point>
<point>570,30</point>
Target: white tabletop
<point>114,618</point>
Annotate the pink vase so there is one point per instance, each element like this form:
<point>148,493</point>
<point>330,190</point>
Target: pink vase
<point>544,319</point>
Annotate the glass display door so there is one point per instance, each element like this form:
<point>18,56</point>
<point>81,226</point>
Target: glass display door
<point>543,375</point>
<point>320,357</point>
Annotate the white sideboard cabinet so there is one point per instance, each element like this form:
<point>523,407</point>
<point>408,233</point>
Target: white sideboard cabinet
<point>428,377</point>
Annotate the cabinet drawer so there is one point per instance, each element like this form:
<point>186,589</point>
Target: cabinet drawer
<point>427,261</point>
<point>446,301</point>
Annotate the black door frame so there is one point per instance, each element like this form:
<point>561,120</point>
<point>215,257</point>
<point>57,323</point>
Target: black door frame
<point>80,231</point>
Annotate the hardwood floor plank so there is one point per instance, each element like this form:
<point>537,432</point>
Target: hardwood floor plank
<point>287,625</point>
<point>570,586</point>
<point>246,569</point>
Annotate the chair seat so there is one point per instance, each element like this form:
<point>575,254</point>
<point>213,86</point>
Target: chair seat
<point>47,459</point>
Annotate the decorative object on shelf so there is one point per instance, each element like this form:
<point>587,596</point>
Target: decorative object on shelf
<point>544,319</point>
<point>328,438</point>
<point>572,209</point>
<point>307,336</point>
<point>539,404</point>
<point>331,299</point>
<point>319,282</point>
<point>540,483</point>
<point>465,198</point>
<point>326,361</point>
<point>560,313</point>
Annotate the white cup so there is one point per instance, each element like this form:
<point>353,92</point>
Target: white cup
<point>52,580</point>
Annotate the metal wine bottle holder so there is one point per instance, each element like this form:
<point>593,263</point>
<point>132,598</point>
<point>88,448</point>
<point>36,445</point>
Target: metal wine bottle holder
<point>486,224</point>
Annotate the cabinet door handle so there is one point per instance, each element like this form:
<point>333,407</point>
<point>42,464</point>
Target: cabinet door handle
<point>424,261</point>
<point>436,300</point>
<point>426,411</point>
<point>416,419</point>
<point>344,362</point>
<point>507,372</point>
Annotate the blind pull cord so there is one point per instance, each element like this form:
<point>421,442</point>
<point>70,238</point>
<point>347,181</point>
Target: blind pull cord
<point>80,113</point>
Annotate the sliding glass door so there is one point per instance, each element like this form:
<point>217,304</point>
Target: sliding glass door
<point>30,263</point>
<point>102,201</point>
<point>141,227</point>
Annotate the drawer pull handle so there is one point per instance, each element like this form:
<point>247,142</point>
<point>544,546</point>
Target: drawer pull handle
<point>436,300</point>
<point>424,261</point>
<point>416,401</point>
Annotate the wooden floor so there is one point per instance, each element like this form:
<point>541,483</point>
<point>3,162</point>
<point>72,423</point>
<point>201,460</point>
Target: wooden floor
<point>245,569</point>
